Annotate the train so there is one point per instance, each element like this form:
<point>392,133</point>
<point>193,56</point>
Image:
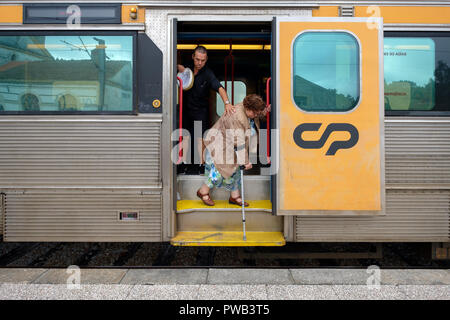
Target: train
<point>356,147</point>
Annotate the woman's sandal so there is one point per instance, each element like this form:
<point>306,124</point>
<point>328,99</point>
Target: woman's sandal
<point>239,203</point>
<point>208,200</point>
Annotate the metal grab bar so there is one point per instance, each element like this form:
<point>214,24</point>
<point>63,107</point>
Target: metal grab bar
<point>180,139</point>
<point>268,118</point>
<point>230,55</point>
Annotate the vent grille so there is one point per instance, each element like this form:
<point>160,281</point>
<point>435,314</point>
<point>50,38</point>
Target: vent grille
<point>2,211</point>
<point>82,216</point>
<point>417,153</point>
<point>79,153</point>
<point>419,216</point>
<point>346,11</point>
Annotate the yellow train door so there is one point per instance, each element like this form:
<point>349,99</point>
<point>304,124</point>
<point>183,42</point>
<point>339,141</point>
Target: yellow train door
<point>330,116</point>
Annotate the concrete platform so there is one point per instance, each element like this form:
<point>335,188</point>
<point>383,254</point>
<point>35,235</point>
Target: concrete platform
<point>224,284</point>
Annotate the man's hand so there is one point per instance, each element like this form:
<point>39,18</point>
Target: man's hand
<point>229,109</point>
<point>267,109</point>
<point>180,68</point>
<point>248,166</point>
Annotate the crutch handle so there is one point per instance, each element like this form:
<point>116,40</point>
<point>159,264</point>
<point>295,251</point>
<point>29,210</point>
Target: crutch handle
<point>242,167</point>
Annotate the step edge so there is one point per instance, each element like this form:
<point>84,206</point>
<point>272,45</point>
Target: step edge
<point>203,210</point>
<point>228,244</point>
<point>279,242</point>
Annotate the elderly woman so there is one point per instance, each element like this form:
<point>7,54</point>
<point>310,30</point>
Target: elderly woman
<point>227,145</point>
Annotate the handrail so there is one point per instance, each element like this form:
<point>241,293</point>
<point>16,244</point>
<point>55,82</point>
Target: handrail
<point>180,139</point>
<point>230,55</point>
<point>268,118</point>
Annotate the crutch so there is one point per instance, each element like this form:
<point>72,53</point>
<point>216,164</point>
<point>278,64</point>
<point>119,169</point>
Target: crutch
<point>243,201</point>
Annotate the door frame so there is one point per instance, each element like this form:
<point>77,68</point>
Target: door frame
<point>174,19</point>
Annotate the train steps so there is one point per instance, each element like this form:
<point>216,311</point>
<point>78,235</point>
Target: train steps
<point>256,188</point>
<point>221,225</point>
<point>228,239</point>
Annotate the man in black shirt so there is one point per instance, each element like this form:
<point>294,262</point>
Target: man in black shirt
<point>195,100</point>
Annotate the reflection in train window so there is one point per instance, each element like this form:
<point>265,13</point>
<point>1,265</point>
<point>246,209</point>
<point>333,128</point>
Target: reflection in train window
<point>326,71</point>
<point>409,73</point>
<point>416,72</point>
<point>67,102</point>
<point>29,102</point>
<point>66,73</point>
<point>240,91</point>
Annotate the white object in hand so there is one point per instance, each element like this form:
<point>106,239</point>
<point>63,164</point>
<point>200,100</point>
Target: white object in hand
<point>187,77</point>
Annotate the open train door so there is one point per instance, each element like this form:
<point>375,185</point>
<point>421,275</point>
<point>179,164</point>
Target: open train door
<point>330,116</point>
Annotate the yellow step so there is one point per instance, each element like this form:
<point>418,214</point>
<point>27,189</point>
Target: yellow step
<point>184,206</point>
<point>228,239</point>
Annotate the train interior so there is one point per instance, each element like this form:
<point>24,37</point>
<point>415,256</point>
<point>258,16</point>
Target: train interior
<point>239,54</point>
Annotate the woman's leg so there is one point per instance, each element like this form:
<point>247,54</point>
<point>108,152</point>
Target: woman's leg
<point>235,184</point>
<point>235,194</point>
<point>203,193</point>
<point>204,189</point>
<point>235,198</point>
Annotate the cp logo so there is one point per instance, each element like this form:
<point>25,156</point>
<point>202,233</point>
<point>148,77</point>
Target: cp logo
<point>335,146</point>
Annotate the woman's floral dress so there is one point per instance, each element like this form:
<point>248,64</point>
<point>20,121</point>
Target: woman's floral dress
<point>213,178</point>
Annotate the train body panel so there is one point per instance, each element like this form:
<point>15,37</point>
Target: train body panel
<point>107,174</point>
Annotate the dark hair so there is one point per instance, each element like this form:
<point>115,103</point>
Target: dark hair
<point>254,102</point>
<point>200,49</point>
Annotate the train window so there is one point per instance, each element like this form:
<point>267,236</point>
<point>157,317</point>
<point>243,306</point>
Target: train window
<point>416,73</point>
<point>66,73</point>
<point>29,102</point>
<point>326,71</point>
<point>67,102</point>
<point>240,91</point>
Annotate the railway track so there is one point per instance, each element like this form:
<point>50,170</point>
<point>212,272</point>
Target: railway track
<point>116,255</point>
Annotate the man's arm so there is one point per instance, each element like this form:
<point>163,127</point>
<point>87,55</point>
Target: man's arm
<point>229,108</point>
<point>180,68</point>
<point>215,84</point>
